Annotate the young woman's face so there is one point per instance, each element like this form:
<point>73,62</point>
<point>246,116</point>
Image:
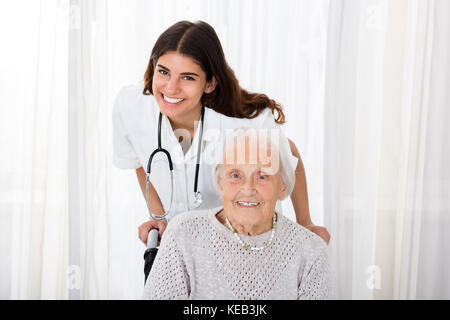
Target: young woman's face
<point>178,85</point>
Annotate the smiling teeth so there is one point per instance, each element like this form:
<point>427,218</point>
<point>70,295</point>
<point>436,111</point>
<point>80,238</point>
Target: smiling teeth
<point>248,204</point>
<point>172,100</point>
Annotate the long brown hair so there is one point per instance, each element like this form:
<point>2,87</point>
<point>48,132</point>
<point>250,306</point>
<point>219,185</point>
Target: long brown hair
<point>200,42</point>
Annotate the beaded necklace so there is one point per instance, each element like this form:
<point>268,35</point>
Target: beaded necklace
<point>246,245</point>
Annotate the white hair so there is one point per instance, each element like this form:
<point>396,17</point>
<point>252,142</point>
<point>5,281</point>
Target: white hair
<point>275,140</point>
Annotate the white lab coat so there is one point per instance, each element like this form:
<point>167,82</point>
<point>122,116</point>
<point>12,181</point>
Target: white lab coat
<point>135,126</point>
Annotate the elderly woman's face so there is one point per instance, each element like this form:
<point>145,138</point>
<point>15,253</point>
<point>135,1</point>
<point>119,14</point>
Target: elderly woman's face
<point>250,191</point>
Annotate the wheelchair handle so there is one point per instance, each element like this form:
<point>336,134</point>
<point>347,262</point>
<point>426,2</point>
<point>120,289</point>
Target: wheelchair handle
<point>152,240</point>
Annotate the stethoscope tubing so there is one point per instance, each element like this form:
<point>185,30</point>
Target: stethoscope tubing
<point>197,194</point>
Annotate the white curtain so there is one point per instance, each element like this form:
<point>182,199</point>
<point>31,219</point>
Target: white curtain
<point>89,140</point>
<point>432,277</point>
<point>363,84</point>
<point>33,137</point>
<point>385,182</point>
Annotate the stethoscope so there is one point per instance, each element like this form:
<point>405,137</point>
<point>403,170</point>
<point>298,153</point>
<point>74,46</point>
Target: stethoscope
<point>197,196</point>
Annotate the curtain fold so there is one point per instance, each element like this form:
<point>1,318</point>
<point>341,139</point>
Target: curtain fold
<point>433,280</point>
<point>89,162</point>
<point>34,208</point>
<point>380,95</point>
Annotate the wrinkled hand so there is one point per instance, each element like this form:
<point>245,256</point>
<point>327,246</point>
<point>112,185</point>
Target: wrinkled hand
<point>320,231</point>
<point>145,228</point>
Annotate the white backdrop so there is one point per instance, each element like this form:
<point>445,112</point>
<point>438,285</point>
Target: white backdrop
<point>386,188</point>
<point>363,83</point>
<point>33,138</point>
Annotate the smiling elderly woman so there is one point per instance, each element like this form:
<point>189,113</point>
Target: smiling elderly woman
<point>244,249</point>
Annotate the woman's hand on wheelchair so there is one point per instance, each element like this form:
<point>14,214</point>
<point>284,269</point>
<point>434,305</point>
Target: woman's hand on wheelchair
<point>145,228</point>
<point>320,231</point>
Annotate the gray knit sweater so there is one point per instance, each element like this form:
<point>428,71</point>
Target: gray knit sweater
<point>199,258</point>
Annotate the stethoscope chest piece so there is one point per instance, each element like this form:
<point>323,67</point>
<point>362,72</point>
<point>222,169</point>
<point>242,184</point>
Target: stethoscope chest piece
<point>197,200</point>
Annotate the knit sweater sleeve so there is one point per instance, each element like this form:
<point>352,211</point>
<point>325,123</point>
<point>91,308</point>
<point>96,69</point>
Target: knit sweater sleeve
<point>168,278</point>
<point>314,284</point>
